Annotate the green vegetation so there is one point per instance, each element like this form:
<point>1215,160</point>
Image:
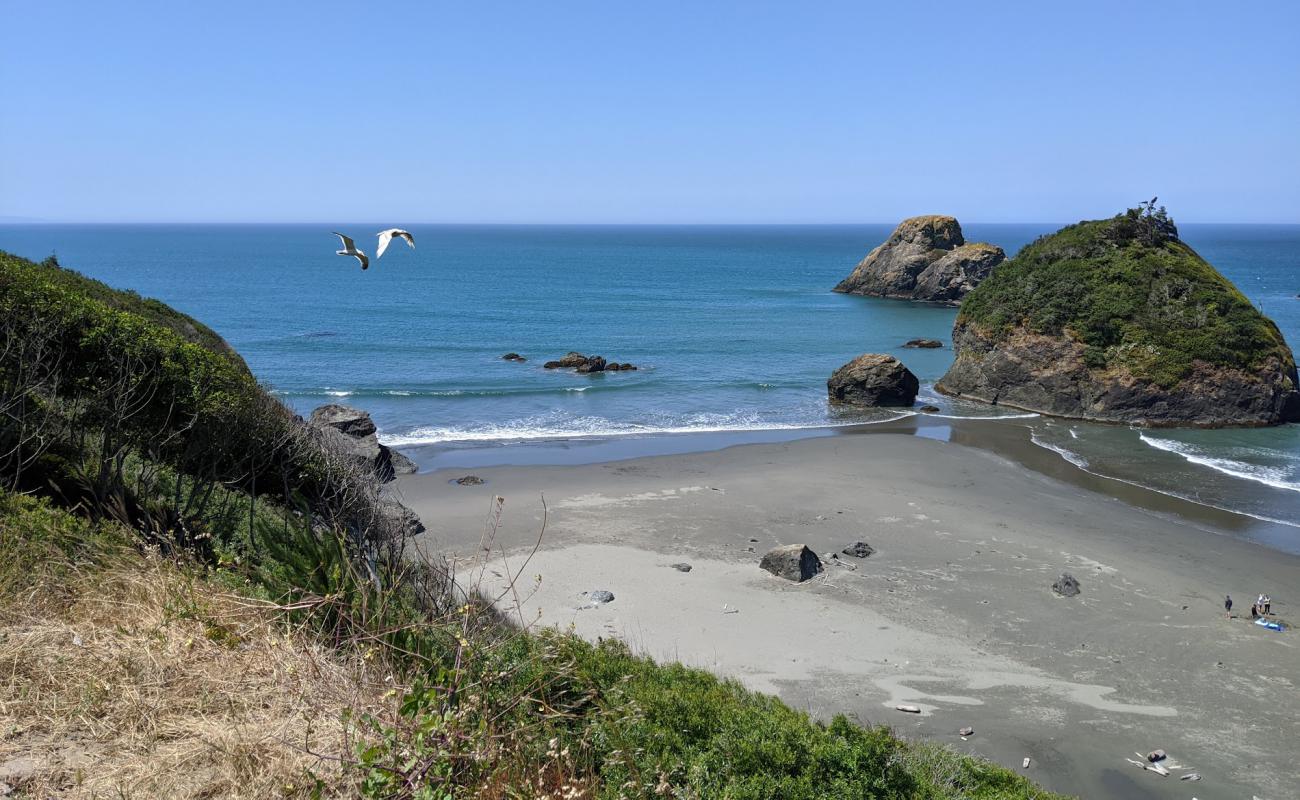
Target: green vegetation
<point>157,505</point>
<point>1139,299</point>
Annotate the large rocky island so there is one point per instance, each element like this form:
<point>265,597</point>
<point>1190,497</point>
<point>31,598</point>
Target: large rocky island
<point>1118,320</point>
<point>925,258</point>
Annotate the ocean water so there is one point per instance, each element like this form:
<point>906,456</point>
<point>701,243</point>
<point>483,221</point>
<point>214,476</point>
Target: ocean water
<point>734,328</point>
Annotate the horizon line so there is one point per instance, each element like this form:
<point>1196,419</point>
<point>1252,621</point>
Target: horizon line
<point>36,221</point>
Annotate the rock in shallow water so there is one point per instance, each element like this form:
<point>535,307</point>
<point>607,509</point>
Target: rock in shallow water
<point>873,379</point>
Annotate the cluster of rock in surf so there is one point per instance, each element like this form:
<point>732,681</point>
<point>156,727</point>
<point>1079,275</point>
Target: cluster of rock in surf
<point>586,364</point>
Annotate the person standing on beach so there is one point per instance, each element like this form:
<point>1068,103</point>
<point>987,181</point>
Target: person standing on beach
<point>1268,605</point>
<point>1227,604</point>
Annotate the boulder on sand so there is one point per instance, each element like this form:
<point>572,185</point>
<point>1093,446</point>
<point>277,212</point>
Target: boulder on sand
<point>873,379</point>
<point>925,258</point>
<point>858,550</point>
<point>350,432</point>
<point>1066,585</point>
<point>794,562</point>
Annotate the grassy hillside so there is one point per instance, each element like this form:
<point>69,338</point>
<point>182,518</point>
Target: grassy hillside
<point>198,599</point>
<point>1133,293</point>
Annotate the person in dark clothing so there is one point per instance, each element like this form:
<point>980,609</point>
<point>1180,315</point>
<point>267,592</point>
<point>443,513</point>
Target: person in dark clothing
<point>1254,611</point>
<point>1227,604</point>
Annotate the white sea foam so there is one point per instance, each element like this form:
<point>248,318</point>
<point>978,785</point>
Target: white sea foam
<point>1069,455</point>
<point>1259,473</point>
<point>535,428</point>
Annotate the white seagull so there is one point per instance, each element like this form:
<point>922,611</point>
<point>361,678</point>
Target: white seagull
<point>387,236</point>
<point>350,249</point>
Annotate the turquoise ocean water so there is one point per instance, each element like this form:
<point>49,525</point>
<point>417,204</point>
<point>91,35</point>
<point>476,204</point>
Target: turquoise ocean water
<point>734,328</point>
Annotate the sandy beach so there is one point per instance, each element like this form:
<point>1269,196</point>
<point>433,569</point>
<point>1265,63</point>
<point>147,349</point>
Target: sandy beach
<point>953,613</point>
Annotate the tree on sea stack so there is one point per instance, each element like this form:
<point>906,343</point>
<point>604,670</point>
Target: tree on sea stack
<point>1118,320</point>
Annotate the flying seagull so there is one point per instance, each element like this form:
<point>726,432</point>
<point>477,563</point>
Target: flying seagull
<point>350,249</point>
<point>387,236</point>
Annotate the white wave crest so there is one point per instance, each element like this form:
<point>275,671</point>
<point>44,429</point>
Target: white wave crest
<point>1269,476</point>
<point>535,428</point>
<point>1069,455</point>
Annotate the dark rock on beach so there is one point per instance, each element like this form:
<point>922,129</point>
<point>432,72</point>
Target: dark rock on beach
<point>1118,320</point>
<point>928,409</point>
<point>873,379</point>
<point>403,518</point>
<point>1066,585</point>
<point>858,550</point>
<point>470,480</point>
<point>682,567</point>
<point>351,433</point>
<point>794,562</point>
<point>923,343</point>
<point>925,258</point>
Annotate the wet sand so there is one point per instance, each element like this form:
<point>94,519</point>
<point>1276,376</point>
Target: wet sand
<point>954,611</point>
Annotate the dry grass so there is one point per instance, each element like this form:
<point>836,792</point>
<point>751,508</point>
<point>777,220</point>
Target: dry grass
<point>139,681</point>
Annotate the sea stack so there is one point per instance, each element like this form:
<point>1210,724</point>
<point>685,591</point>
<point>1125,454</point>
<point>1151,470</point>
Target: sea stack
<point>925,258</point>
<point>1118,320</point>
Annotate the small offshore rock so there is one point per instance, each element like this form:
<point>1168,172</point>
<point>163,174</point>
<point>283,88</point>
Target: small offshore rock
<point>682,567</point>
<point>927,409</point>
<point>470,480</point>
<point>1066,585</point>
<point>859,550</point>
<point>923,343</point>
<point>513,357</point>
<point>794,562</point>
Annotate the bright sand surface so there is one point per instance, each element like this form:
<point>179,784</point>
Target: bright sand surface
<point>953,613</point>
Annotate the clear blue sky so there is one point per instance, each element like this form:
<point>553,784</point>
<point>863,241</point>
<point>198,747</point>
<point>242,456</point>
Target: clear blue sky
<point>605,111</point>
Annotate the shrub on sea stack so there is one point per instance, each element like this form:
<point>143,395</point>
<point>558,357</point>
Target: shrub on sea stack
<point>1118,320</point>
<point>873,379</point>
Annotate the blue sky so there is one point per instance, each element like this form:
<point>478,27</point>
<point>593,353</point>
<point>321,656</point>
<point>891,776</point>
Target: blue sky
<point>576,111</point>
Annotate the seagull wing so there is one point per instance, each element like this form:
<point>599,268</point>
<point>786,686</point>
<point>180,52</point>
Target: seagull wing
<point>407,236</point>
<point>384,238</point>
<point>360,256</point>
<point>348,244</point>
